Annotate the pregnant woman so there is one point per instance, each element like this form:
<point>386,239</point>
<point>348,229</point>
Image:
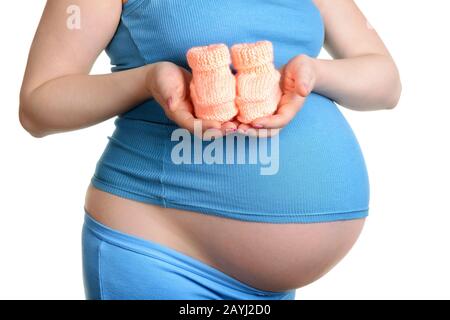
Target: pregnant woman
<point>157,229</point>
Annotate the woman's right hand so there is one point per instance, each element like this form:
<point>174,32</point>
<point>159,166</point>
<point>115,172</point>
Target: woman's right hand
<point>169,85</point>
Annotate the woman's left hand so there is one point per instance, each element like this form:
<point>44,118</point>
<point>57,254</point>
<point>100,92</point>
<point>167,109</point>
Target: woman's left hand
<point>298,78</point>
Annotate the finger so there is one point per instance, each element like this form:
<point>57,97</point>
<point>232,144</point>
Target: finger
<point>174,90</point>
<point>182,106</point>
<point>303,83</point>
<point>243,128</point>
<point>236,123</point>
<point>184,119</point>
<point>298,77</point>
<point>261,133</point>
<point>247,130</point>
<point>175,100</point>
<point>196,126</point>
<point>182,91</point>
<point>252,132</point>
<point>212,133</point>
<point>265,133</point>
<point>229,127</point>
<point>273,132</point>
<point>211,124</point>
<point>289,106</point>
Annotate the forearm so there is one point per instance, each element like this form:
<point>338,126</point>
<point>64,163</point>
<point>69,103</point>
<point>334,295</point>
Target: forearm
<point>77,101</point>
<point>362,83</point>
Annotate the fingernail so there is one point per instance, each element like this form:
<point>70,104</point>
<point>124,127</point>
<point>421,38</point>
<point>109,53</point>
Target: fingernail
<point>258,126</point>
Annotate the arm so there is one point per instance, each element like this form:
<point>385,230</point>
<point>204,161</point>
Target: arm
<point>363,75</point>
<point>57,93</point>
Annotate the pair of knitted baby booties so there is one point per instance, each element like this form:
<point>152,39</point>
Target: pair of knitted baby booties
<point>218,94</point>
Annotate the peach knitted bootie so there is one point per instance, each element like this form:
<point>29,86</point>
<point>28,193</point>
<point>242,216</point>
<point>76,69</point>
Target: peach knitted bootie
<point>213,85</point>
<point>258,88</point>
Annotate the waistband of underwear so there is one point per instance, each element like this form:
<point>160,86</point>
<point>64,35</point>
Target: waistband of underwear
<point>171,256</point>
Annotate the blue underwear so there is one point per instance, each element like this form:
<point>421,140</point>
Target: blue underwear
<point>117,266</point>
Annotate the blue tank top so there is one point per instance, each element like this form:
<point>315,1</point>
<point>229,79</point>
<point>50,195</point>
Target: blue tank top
<point>316,172</point>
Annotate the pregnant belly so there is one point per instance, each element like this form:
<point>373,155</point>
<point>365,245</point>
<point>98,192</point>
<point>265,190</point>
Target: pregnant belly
<point>250,223</point>
<point>312,171</point>
<point>274,257</point>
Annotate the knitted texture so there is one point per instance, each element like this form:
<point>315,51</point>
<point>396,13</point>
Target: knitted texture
<point>213,85</point>
<point>258,89</point>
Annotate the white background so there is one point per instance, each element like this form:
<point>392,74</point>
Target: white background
<point>403,252</point>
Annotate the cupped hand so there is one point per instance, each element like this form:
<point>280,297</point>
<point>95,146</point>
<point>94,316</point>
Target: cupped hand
<point>298,78</point>
<point>169,85</point>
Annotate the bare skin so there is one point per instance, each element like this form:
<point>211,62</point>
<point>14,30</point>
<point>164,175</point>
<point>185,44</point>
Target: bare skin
<point>273,257</point>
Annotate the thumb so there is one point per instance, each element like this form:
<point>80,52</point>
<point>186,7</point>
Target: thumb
<point>295,79</point>
<point>174,89</point>
<point>303,84</point>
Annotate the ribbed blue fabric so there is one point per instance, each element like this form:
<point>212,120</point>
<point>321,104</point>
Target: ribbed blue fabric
<point>322,175</point>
